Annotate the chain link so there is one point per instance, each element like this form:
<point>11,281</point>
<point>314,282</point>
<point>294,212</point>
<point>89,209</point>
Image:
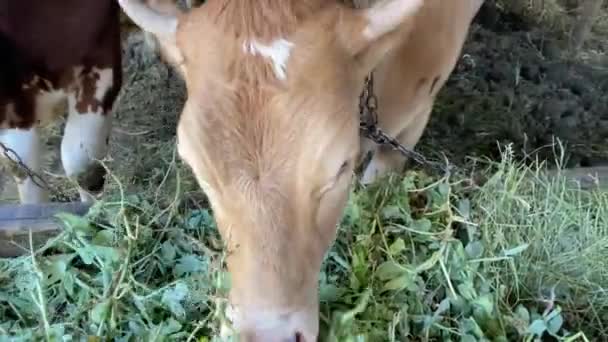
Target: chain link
<point>14,158</point>
<point>368,126</point>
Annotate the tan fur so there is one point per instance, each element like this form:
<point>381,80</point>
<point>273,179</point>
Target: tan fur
<point>408,80</point>
<point>275,156</point>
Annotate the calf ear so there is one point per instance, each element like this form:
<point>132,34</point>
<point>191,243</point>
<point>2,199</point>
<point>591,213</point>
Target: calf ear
<point>151,19</point>
<point>159,18</point>
<point>370,33</point>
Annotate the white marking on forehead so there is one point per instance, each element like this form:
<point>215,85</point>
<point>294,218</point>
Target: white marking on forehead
<point>278,52</point>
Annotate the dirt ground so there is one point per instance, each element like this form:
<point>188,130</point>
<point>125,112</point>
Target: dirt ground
<point>515,84</point>
<point>511,85</point>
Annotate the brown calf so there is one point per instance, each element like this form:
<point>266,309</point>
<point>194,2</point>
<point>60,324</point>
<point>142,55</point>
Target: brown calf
<point>409,78</point>
<point>270,127</point>
<point>53,51</point>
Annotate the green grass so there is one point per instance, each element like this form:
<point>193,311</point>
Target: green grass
<point>418,257</point>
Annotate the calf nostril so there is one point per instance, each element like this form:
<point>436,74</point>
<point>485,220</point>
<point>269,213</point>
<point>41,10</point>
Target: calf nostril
<point>299,337</point>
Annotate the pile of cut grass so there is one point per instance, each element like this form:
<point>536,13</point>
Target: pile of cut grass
<point>418,257</point>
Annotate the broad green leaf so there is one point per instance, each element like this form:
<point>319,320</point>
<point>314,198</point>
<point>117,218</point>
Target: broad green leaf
<point>68,283</point>
<point>56,267</point>
<point>201,218</point>
<point>467,290</point>
<point>188,264</point>
<point>136,328</point>
<point>330,293</point>
<point>57,332</point>
<point>139,304</point>
<point>397,247</point>
<point>409,182</point>
<point>391,212</point>
<point>444,189</point>
<point>399,283</point>
<point>522,313</point>
<point>485,302</point>
<point>173,297</point>
<point>464,208</point>
<point>100,311</point>
<point>389,270</point>
<point>555,312</point>
<point>474,249</point>
<point>469,325</point>
<point>168,251</point>
<point>106,254</point>
<point>104,238</point>
<point>468,338</point>
<point>442,307</point>
<point>555,324</point>
<point>75,223</point>
<point>422,225</point>
<point>538,327</point>
<point>86,254</point>
<point>459,305</point>
<point>170,327</point>
<point>107,276</point>
<point>429,263</point>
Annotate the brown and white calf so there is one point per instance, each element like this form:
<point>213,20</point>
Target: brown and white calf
<point>50,52</point>
<point>270,126</point>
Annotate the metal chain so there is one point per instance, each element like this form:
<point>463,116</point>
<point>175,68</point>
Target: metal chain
<point>368,126</point>
<point>14,158</point>
<point>368,123</point>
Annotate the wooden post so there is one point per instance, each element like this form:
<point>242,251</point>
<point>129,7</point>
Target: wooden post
<point>17,220</point>
<point>588,178</point>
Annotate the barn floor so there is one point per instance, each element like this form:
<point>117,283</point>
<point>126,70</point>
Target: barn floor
<point>512,85</point>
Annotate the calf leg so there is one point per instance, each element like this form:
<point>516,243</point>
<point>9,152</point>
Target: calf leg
<point>385,159</point>
<point>26,143</point>
<point>87,131</point>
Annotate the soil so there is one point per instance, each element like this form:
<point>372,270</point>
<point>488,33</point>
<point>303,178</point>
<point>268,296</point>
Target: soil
<point>512,85</point>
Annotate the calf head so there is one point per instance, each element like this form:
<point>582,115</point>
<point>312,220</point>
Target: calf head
<point>270,130</point>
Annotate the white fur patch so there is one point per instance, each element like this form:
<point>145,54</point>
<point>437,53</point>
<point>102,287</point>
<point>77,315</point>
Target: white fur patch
<point>47,103</point>
<point>278,52</point>
<point>84,140</point>
<point>105,82</point>
<point>388,15</point>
